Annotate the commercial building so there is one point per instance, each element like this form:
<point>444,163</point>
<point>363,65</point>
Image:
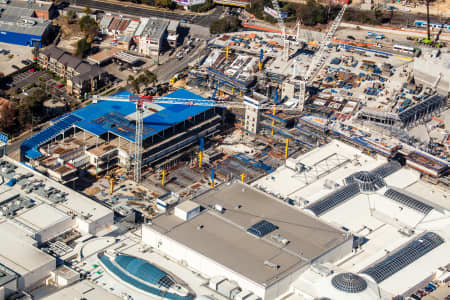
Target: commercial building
<point>245,236</point>
<point>39,9</point>
<point>22,30</point>
<point>150,34</point>
<point>187,3</point>
<point>25,23</point>
<point>144,35</point>
<point>8,282</point>
<point>54,208</point>
<point>81,76</point>
<point>399,223</point>
<point>19,254</point>
<point>101,136</point>
<point>172,33</point>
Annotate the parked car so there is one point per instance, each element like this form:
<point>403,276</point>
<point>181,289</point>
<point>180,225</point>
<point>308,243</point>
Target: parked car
<point>421,293</point>
<point>15,67</point>
<point>60,85</point>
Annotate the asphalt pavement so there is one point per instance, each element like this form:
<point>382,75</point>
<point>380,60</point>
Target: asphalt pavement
<point>125,9</point>
<point>173,66</point>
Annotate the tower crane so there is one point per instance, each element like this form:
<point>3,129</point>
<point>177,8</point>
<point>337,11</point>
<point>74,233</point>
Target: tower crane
<point>283,29</point>
<point>319,58</point>
<point>143,101</point>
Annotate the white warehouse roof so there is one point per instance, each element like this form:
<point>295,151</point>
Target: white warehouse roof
<point>17,251</point>
<point>86,210</point>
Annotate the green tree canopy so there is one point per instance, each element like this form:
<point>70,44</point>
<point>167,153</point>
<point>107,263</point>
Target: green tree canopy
<point>223,25</point>
<point>165,4</point>
<point>83,47</point>
<point>31,107</point>
<point>71,17</point>
<point>89,26</point>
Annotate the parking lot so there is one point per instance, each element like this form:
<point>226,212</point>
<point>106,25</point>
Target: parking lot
<point>14,57</point>
<point>23,79</point>
<point>440,294</point>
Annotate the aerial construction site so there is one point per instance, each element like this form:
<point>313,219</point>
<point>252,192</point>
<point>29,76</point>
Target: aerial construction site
<point>276,162</point>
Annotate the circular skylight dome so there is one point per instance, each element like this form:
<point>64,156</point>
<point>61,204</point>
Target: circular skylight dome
<point>349,283</point>
<point>367,181</point>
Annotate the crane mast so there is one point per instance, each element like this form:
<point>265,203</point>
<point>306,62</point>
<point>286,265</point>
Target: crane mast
<point>138,144</point>
<point>141,101</point>
<point>280,21</point>
<point>319,58</point>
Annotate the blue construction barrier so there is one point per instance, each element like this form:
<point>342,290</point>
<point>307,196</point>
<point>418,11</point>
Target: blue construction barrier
<point>254,163</point>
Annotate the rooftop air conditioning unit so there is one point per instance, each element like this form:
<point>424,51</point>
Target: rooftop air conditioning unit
<point>271,264</point>
<point>219,208</point>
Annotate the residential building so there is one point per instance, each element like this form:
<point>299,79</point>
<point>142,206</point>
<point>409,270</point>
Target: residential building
<point>81,76</point>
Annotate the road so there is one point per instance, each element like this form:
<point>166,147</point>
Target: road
<point>203,20</point>
<point>173,66</point>
<point>12,149</point>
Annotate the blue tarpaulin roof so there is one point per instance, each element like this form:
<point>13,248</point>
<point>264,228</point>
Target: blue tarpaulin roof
<point>97,117</point>
<point>111,116</point>
<point>29,146</point>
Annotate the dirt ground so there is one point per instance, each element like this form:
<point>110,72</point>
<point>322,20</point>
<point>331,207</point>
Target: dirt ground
<point>70,34</point>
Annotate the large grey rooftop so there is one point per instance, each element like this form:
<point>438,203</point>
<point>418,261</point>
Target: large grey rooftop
<point>224,237</point>
<point>25,25</point>
<point>35,5</point>
<point>155,28</point>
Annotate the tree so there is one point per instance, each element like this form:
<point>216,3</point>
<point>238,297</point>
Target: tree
<point>223,25</point>
<point>31,107</point>
<point>87,10</point>
<point>152,78</point>
<point>135,86</point>
<point>83,47</point>
<point>130,79</point>
<point>71,17</point>
<point>89,26</point>
<point>35,51</point>
<point>312,13</point>
<point>256,8</point>
<point>165,4</point>
<point>8,116</point>
<point>209,4</point>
